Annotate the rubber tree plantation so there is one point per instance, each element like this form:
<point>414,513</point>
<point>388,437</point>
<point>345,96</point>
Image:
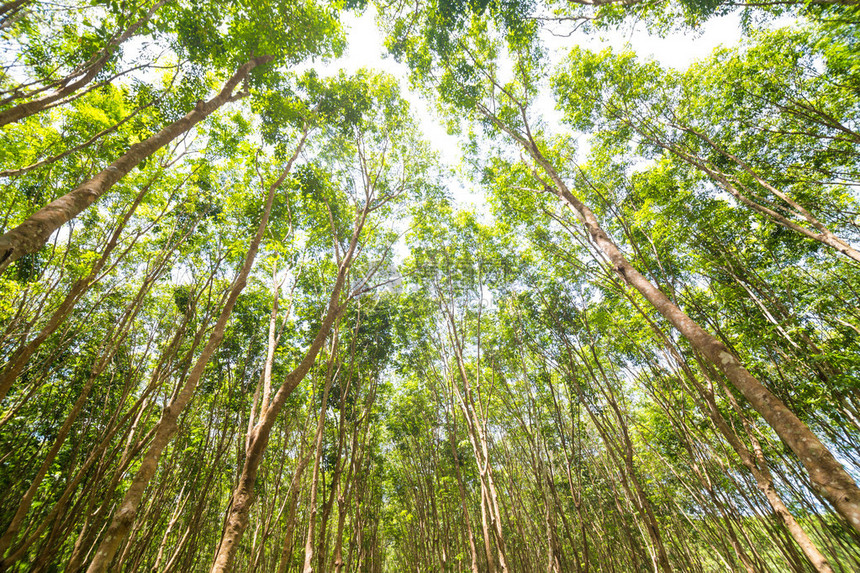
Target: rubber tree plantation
<point>542,296</point>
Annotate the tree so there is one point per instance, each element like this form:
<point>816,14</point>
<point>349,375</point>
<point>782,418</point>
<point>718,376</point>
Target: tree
<point>280,340</point>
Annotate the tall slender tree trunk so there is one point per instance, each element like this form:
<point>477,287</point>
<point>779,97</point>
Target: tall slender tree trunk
<point>461,488</point>
<point>292,502</point>
<point>478,438</point>
<point>635,494</point>
<point>167,425</point>
<point>358,453</point>
<point>237,521</point>
<point>86,74</point>
<point>110,348</point>
<point>764,480</point>
<point>308,567</point>
<point>21,356</point>
<point>757,465</point>
<point>34,232</point>
<point>826,473</point>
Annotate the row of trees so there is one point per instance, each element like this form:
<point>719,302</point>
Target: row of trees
<point>245,328</point>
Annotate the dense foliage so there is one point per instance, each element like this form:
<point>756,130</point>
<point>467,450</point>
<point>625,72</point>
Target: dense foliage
<point>245,324</point>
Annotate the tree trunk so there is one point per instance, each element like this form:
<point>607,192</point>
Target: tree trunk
<point>34,232</point>
<point>167,425</point>
<point>307,567</point>
<point>237,521</point>
<point>826,473</point>
<point>22,355</point>
<point>109,350</point>
<point>89,71</point>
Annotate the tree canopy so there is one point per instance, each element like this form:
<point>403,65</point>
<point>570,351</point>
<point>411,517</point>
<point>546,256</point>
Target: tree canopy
<point>249,322</point>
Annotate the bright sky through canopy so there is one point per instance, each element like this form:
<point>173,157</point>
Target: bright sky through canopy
<point>366,49</point>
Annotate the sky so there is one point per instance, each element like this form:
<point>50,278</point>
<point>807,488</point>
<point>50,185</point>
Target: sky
<point>678,50</point>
